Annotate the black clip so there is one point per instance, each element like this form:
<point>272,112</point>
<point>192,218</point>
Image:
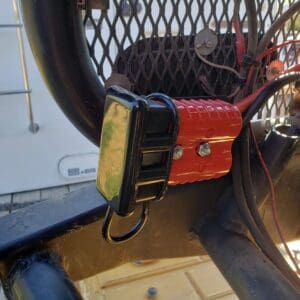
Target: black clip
<point>242,81</point>
<point>250,61</point>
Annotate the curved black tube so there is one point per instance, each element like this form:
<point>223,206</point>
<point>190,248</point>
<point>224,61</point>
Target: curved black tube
<point>228,245</point>
<point>252,30</point>
<point>40,276</point>
<point>57,39</point>
<point>247,205</point>
<point>248,271</point>
<point>266,93</point>
<point>279,23</point>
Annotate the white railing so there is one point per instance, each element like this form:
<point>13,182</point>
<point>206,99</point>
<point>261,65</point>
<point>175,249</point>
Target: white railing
<point>33,127</point>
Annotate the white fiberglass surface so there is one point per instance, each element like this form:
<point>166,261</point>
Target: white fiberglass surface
<point>57,154</point>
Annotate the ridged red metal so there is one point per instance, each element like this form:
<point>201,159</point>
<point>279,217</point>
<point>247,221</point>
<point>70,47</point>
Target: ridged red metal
<point>205,121</point>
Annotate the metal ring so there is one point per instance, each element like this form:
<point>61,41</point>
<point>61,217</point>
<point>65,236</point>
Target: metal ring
<point>132,233</point>
<point>286,135</point>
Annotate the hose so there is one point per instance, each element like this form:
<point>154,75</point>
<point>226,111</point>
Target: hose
<point>270,248</point>
<point>261,239</point>
<point>252,35</point>
<point>252,27</point>
<point>243,185</point>
<point>273,202</point>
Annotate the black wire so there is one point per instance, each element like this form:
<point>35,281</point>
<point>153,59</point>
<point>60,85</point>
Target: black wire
<point>252,34</point>
<point>236,9</point>
<point>269,91</point>
<point>267,37</point>
<point>252,27</point>
<point>277,25</point>
<point>241,171</point>
<point>241,198</point>
<point>260,239</point>
<point>271,249</point>
<point>243,185</point>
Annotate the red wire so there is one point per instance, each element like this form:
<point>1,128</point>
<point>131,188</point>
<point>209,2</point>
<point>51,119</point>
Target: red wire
<point>264,54</point>
<point>273,202</point>
<point>246,102</point>
<point>271,50</point>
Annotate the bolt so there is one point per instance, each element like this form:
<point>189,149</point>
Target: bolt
<point>178,152</point>
<point>204,150</point>
<point>208,44</point>
<point>152,292</point>
<point>33,127</point>
<point>199,45</point>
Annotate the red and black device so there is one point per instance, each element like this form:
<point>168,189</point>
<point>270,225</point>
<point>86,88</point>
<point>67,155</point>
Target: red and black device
<point>151,142</point>
<point>136,149</point>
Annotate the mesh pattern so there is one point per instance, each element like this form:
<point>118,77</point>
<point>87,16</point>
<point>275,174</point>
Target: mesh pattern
<point>151,42</point>
<point>176,70</point>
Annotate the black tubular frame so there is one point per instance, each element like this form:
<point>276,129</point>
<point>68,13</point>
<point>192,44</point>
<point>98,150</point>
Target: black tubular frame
<point>34,228</point>
<point>40,276</point>
<point>249,272</point>
<point>62,55</point>
<point>230,247</point>
<point>245,197</point>
<point>266,93</point>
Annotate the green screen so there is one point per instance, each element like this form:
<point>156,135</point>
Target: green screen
<point>113,149</point>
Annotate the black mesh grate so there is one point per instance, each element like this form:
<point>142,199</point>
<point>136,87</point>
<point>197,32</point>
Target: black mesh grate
<point>173,67</point>
<point>151,42</point>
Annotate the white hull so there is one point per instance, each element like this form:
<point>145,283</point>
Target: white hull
<point>31,161</point>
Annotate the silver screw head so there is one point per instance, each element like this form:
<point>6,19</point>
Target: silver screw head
<point>209,44</point>
<point>34,127</point>
<point>204,150</point>
<point>178,152</point>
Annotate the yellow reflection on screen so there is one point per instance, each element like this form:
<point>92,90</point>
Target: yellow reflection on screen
<point>113,150</point>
